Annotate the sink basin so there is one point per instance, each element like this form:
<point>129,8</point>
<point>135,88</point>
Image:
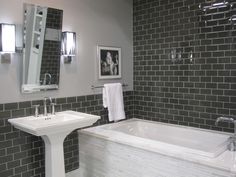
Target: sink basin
<point>51,124</point>
<point>54,129</point>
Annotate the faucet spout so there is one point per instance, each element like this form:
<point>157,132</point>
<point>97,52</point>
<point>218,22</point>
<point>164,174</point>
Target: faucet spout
<point>45,79</point>
<point>45,105</point>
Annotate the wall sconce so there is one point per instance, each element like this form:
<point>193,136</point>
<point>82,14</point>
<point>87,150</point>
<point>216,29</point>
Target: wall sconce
<point>215,5</point>
<point>68,45</point>
<point>7,42</point>
<point>233,19</point>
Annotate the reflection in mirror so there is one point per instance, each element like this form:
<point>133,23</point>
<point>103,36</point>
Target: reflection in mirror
<point>41,48</point>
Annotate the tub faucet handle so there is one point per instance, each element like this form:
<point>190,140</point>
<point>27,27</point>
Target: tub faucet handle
<point>232,144</point>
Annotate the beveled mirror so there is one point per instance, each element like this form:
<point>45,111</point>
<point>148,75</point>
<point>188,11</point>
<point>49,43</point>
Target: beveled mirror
<point>41,48</point>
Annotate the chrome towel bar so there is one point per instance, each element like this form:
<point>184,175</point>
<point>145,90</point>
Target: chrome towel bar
<point>101,86</point>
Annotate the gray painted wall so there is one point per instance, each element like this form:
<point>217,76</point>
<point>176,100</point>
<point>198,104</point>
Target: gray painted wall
<point>103,22</point>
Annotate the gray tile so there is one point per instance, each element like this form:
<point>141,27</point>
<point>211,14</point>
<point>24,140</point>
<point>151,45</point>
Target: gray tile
<point>13,150</point>
<point>3,167</point>
<point>6,173</point>
<point>18,113</point>
<point>2,152</point>
<point>6,159</point>
<point>37,102</point>
<point>11,106</point>
<point>13,164</point>
<point>1,107</point>
<point>71,99</point>
<point>61,100</point>
<point>26,104</point>
<point>80,98</point>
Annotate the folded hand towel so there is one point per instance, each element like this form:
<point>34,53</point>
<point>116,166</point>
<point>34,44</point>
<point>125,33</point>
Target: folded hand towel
<point>113,100</point>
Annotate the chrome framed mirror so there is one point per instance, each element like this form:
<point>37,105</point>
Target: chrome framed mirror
<point>42,30</point>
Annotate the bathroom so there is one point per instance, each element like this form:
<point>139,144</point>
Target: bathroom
<point>178,66</point>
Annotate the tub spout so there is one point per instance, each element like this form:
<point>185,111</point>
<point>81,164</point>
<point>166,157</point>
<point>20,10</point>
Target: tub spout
<point>232,139</point>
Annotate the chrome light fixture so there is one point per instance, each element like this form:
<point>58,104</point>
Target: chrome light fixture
<point>233,18</point>
<point>220,4</point>
<point>68,46</point>
<point>7,38</point>
<point>215,5</point>
<point>7,42</point>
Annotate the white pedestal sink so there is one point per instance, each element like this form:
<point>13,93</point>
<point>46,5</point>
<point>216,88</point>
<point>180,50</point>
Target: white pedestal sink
<point>54,129</point>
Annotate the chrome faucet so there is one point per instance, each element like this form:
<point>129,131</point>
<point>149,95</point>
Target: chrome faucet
<point>232,139</point>
<point>45,105</point>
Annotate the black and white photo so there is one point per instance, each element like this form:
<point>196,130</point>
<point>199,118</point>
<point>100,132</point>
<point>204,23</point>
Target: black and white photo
<point>109,62</point>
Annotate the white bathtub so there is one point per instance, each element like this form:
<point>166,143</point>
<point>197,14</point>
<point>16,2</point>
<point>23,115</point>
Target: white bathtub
<point>184,139</point>
<point>138,148</point>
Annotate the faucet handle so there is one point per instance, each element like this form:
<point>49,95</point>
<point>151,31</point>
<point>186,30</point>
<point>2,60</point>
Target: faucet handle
<point>36,110</point>
<point>53,108</point>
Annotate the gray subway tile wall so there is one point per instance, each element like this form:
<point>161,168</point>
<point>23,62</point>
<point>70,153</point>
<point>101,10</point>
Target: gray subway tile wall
<point>22,155</point>
<point>186,92</point>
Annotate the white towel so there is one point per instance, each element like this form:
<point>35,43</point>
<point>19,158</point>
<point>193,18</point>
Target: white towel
<point>113,100</point>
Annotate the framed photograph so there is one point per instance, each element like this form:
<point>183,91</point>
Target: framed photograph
<point>109,62</point>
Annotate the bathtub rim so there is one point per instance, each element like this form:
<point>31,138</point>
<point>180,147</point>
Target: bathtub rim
<point>203,153</point>
<point>86,130</point>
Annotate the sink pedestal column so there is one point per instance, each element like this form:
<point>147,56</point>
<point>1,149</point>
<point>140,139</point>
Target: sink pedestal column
<point>54,154</point>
